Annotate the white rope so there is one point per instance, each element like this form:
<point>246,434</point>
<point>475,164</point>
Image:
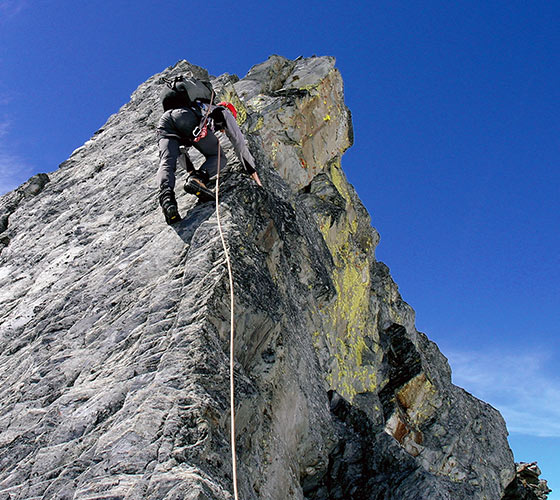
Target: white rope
<point>232,332</point>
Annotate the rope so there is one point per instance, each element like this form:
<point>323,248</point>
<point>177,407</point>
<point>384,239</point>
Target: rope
<point>231,339</point>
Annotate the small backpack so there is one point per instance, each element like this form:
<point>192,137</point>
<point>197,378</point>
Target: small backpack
<point>183,91</point>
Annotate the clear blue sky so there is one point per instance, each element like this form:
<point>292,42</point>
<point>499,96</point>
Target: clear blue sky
<point>455,109</point>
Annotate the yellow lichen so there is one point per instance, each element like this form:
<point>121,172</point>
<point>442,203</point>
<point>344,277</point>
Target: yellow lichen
<point>349,313</point>
<point>231,96</point>
<point>348,319</point>
<point>259,125</point>
<point>274,150</point>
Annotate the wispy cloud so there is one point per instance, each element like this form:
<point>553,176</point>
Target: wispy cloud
<point>10,8</point>
<point>13,169</point>
<point>519,385</point>
<point>5,99</point>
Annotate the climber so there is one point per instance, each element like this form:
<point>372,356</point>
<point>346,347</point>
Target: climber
<point>188,121</point>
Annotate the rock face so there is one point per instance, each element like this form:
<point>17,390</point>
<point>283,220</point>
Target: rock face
<point>115,326</point>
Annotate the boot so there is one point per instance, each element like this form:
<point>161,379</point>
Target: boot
<point>195,185</point>
<point>169,205</point>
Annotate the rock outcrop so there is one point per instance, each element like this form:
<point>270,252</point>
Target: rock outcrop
<point>115,326</point>
<point>527,485</point>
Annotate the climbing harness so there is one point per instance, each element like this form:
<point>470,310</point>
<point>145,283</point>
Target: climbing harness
<point>201,130</point>
<point>232,335</point>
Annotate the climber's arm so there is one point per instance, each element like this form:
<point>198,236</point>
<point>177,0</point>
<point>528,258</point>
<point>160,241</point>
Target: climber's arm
<point>238,141</point>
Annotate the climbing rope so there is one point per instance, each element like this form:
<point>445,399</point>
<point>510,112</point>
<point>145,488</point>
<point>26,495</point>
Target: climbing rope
<point>231,338</point>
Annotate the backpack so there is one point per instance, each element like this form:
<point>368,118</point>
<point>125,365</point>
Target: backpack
<point>183,91</point>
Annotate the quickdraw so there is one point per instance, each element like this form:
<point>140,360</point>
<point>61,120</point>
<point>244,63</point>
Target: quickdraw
<point>201,131</point>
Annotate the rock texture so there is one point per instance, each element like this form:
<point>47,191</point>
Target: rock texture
<point>527,484</point>
<point>115,326</point>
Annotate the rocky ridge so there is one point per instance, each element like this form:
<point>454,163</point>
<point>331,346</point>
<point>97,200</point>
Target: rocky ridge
<point>114,327</point>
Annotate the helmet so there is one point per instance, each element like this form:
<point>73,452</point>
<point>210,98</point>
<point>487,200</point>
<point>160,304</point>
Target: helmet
<point>229,106</point>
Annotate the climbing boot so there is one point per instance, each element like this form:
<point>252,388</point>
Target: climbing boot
<point>169,206</point>
<point>196,186</point>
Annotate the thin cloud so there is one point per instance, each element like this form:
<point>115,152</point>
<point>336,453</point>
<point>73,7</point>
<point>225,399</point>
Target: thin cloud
<point>13,169</point>
<point>5,99</point>
<point>516,384</point>
<point>11,8</point>
<point>9,163</point>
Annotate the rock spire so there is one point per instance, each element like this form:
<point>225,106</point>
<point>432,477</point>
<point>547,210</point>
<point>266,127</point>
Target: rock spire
<point>114,326</point>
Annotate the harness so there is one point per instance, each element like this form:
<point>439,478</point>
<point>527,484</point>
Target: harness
<point>201,130</point>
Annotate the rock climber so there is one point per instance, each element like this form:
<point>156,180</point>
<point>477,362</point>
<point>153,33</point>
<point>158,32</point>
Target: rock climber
<point>192,122</point>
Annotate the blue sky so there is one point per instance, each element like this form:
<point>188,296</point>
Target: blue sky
<point>455,109</point>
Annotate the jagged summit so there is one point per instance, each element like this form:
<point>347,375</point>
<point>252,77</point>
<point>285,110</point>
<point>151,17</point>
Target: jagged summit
<point>114,326</point>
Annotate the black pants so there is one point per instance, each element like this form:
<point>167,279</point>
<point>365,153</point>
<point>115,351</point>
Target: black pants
<point>175,128</point>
